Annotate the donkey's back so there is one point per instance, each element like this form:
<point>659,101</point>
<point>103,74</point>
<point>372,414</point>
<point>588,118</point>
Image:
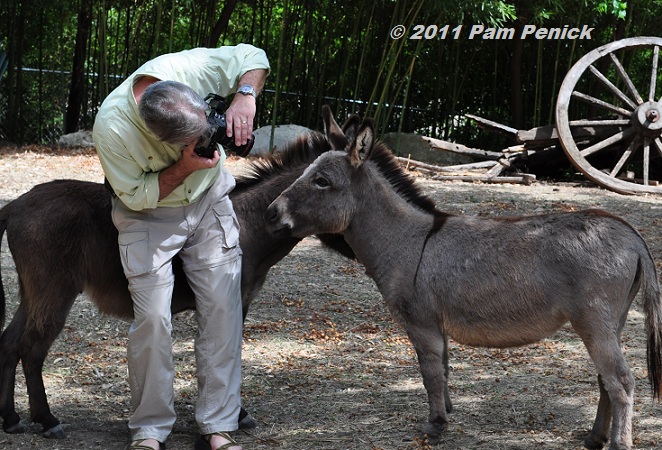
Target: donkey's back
<point>59,236</point>
<point>509,282</point>
<point>520,279</point>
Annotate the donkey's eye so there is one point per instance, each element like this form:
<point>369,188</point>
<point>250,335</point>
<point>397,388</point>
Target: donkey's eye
<point>321,182</point>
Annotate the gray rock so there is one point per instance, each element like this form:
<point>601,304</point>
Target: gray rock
<point>283,136</point>
<point>81,138</point>
<point>414,146</point>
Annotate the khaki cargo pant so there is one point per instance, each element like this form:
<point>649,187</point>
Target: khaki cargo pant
<point>206,236</point>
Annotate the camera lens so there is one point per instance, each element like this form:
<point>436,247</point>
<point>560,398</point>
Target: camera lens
<point>246,148</point>
<point>239,150</point>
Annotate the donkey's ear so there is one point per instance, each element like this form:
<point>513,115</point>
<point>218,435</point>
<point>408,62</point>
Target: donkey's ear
<point>334,134</point>
<point>351,127</point>
<point>362,146</point>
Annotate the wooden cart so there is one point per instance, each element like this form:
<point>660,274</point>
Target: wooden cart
<point>609,116</point>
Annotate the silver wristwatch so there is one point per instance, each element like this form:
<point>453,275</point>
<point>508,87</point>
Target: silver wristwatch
<point>247,89</point>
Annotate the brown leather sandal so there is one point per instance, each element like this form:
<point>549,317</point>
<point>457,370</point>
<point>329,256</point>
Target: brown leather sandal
<point>203,442</point>
<point>138,445</point>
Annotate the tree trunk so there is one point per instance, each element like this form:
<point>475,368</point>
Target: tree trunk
<point>221,24</point>
<point>516,106</point>
<point>78,84</point>
<point>16,41</point>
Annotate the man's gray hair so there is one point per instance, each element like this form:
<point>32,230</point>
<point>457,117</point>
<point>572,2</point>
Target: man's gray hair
<point>173,111</point>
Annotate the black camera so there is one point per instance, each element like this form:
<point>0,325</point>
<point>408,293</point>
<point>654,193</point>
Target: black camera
<point>216,120</point>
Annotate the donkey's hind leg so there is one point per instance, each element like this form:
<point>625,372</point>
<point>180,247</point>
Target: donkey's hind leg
<point>35,344</point>
<point>34,350</point>
<point>599,434</point>
<point>9,357</point>
<point>616,390</point>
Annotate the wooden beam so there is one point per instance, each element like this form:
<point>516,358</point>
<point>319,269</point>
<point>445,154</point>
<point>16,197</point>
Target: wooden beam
<point>525,178</point>
<point>459,148</point>
<point>456,168</point>
<point>493,125</point>
<point>540,135</point>
<point>547,135</point>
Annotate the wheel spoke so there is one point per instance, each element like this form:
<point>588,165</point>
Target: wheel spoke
<point>651,92</point>
<point>658,145</point>
<point>607,142</point>
<point>609,85</point>
<point>626,79</point>
<point>599,123</point>
<point>625,156</point>
<point>647,159</point>
<point>597,102</point>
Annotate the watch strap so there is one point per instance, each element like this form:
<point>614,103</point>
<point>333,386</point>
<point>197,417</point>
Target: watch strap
<point>247,89</point>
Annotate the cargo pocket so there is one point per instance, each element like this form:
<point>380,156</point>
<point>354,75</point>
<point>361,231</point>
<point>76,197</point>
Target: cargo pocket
<point>229,225</point>
<point>134,250</point>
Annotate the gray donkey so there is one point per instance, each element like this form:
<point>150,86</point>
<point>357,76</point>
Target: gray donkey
<point>485,282</point>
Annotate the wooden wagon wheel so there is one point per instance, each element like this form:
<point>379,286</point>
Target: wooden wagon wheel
<point>609,129</point>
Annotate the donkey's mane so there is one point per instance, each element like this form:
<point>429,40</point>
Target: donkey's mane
<point>303,151</point>
<point>403,183</point>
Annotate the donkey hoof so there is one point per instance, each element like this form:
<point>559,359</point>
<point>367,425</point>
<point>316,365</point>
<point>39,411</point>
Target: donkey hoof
<point>246,421</point>
<point>432,440</point>
<point>17,428</point>
<point>593,443</point>
<point>431,432</point>
<point>57,432</point>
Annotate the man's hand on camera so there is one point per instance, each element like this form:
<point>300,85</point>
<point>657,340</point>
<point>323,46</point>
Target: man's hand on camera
<point>239,118</point>
<point>190,161</point>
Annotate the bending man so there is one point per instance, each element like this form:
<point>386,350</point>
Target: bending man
<point>169,201</point>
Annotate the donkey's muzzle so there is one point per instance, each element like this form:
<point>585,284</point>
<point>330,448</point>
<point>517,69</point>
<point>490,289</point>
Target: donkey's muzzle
<point>274,218</point>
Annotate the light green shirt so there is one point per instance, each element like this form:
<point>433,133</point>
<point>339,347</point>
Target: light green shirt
<point>131,156</point>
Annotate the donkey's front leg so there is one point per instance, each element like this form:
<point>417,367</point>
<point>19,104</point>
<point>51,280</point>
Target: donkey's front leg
<point>447,394</point>
<point>431,348</point>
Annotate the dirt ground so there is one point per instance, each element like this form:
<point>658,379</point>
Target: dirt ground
<point>325,367</point>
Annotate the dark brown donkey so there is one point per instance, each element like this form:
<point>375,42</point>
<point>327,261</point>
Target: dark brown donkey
<point>63,242</point>
<point>484,282</point>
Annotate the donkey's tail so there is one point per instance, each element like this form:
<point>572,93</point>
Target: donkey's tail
<point>3,227</point>
<point>653,311</point>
